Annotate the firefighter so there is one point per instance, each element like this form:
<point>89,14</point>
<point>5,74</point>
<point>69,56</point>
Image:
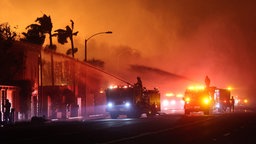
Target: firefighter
<point>139,89</point>
<point>232,104</point>
<point>207,81</point>
<point>139,82</point>
<point>7,111</point>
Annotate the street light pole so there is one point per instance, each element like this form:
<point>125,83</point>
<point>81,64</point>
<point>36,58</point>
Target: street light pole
<point>86,40</point>
<point>85,60</point>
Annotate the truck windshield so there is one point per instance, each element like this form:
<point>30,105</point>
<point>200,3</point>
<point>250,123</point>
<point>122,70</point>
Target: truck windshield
<point>118,95</point>
<point>196,94</point>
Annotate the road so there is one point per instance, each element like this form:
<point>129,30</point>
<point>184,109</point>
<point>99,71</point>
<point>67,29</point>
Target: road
<point>228,128</point>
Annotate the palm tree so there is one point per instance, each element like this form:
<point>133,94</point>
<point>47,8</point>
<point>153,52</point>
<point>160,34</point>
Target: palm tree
<point>11,59</point>
<point>63,34</point>
<point>34,35</point>
<point>46,27</point>
<point>36,32</point>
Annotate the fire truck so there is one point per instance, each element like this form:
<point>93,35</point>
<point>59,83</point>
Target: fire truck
<point>132,101</point>
<point>222,98</point>
<point>198,98</point>
<point>201,98</point>
<point>172,102</point>
<point>242,103</point>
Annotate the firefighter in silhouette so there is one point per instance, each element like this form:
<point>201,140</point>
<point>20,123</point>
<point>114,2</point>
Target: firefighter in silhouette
<point>139,82</point>
<point>139,89</point>
<point>7,111</point>
<point>207,82</point>
<point>232,104</point>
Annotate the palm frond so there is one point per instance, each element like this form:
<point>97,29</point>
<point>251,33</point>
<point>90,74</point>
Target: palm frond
<point>75,33</point>
<point>62,35</point>
<point>68,30</point>
<point>45,22</point>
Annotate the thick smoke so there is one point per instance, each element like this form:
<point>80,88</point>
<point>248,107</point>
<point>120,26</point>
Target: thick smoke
<point>190,38</point>
<point>198,38</point>
<point>214,38</point>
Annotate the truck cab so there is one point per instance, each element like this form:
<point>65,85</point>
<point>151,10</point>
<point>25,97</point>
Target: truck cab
<point>120,100</point>
<point>198,99</point>
<point>129,101</point>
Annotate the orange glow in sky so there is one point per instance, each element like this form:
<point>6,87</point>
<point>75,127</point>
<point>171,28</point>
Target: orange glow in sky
<point>188,38</point>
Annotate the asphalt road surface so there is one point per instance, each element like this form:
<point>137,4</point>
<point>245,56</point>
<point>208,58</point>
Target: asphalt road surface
<point>229,128</point>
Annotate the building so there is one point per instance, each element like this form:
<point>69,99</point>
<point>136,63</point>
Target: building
<point>57,86</point>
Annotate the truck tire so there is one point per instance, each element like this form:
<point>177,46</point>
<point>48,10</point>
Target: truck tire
<point>187,112</point>
<point>114,115</point>
<point>133,114</point>
<point>206,112</point>
<point>151,114</point>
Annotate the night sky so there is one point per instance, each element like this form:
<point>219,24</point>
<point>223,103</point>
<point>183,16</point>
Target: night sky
<point>188,38</point>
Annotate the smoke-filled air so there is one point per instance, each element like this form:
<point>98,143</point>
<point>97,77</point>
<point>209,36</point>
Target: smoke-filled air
<point>170,44</point>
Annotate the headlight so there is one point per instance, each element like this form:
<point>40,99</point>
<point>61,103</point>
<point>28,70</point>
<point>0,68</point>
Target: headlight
<point>187,99</point>
<point>165,102</point>
<point>173,102</point>
<point>110,104</point>
<point>206,100</point>
<point>127,104</point>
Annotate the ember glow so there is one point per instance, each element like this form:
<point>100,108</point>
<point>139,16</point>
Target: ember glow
<point>186,38</point>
